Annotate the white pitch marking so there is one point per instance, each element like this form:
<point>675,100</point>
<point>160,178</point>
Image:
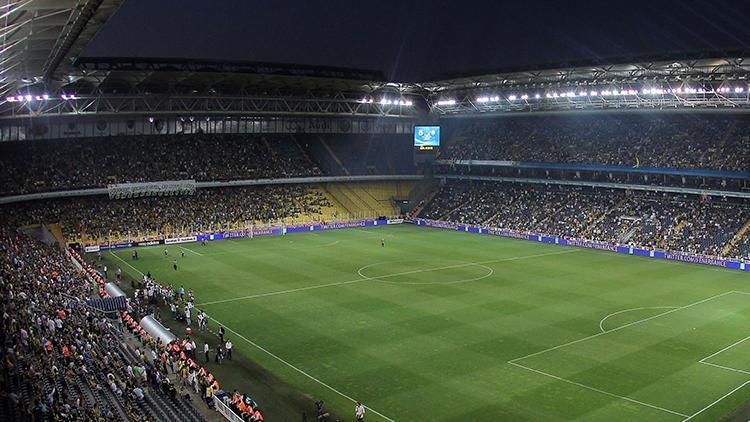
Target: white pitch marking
<point>621,327</point>
<point>273,355</point>
<point>358,280</point>
<point>601,323</point>
<point>725,367</point>
<point>716,401</point>
<point>728,347</point>
<point>126,263</point>
<point>599,391</point>
<point>261,348</point>
<point>189,250</point>
<point>490,272</point>
<point>334,243</point>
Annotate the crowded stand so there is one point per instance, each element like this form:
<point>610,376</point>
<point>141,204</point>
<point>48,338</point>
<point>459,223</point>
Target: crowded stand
<point>687,223</point>
<point>360,154</point>
<point>66,360</point>
<point>181,356</point>
<point>50,165</point>
<point>657,140</point>
<point>98,218</point>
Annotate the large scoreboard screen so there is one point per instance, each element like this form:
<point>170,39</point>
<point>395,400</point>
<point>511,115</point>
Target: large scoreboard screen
<point>426,138</point>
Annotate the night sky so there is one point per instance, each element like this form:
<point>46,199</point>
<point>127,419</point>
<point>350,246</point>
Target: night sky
<point>420,40</point>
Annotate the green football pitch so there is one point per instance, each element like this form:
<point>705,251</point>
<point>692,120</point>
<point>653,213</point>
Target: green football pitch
<point>445,325</point>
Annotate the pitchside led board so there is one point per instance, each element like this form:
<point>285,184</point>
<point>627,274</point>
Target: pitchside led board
<point>426,138</point>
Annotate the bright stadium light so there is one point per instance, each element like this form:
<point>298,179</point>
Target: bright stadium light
<point>28,97</point>
<point>738,89</point>
<point>483,99</point>
<point>401,102</point>
<point>10,99</point>
<point>446,102</point>
<point>20,98</point>
<point>525,96</point>
<point>511,97</point>
<point>593,93</point>
<point>537,96</point>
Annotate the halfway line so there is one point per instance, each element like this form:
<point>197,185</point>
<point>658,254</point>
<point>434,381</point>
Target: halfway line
<point>358,280</point>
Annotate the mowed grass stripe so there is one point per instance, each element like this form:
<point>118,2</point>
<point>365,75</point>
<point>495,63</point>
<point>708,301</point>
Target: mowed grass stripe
<point>439,352</point>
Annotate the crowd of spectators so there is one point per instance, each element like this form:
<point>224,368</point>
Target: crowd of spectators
<point>693,224</point>
<point>185,359</point>
<point>632,140</point>
<point>63,359</point>
<point>49,165</point>
<point>101,218</point>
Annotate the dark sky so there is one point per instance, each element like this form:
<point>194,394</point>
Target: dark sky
<point>417,40</point>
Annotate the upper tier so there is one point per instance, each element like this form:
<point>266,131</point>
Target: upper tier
<point>63,164</point>
<point>666,140</point>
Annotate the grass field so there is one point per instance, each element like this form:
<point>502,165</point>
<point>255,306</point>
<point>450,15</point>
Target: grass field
<point>444,325</point>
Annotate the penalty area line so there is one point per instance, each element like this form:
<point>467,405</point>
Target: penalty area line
<point>640,321</point>
<point>273,355</point>
<point>607,393</point>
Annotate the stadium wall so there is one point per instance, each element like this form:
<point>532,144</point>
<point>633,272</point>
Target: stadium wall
<point>584,243</point>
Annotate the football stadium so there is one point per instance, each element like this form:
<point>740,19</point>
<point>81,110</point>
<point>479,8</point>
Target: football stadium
<point>194,239</point>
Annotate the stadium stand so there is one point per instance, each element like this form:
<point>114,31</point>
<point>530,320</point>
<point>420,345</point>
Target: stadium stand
<point>65,360</point>
<point>660,140</point>
<point>62,164</point>
<point>96,219</point>
<point>694,224</point>
<point>360,154</point>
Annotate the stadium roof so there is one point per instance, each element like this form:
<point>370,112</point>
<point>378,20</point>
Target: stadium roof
<point>698,66</point>
<point>171,75</point>
<point>41,38</point>
<point>154,86</point>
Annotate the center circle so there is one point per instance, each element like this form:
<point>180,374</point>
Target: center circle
<point>425,271</point>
